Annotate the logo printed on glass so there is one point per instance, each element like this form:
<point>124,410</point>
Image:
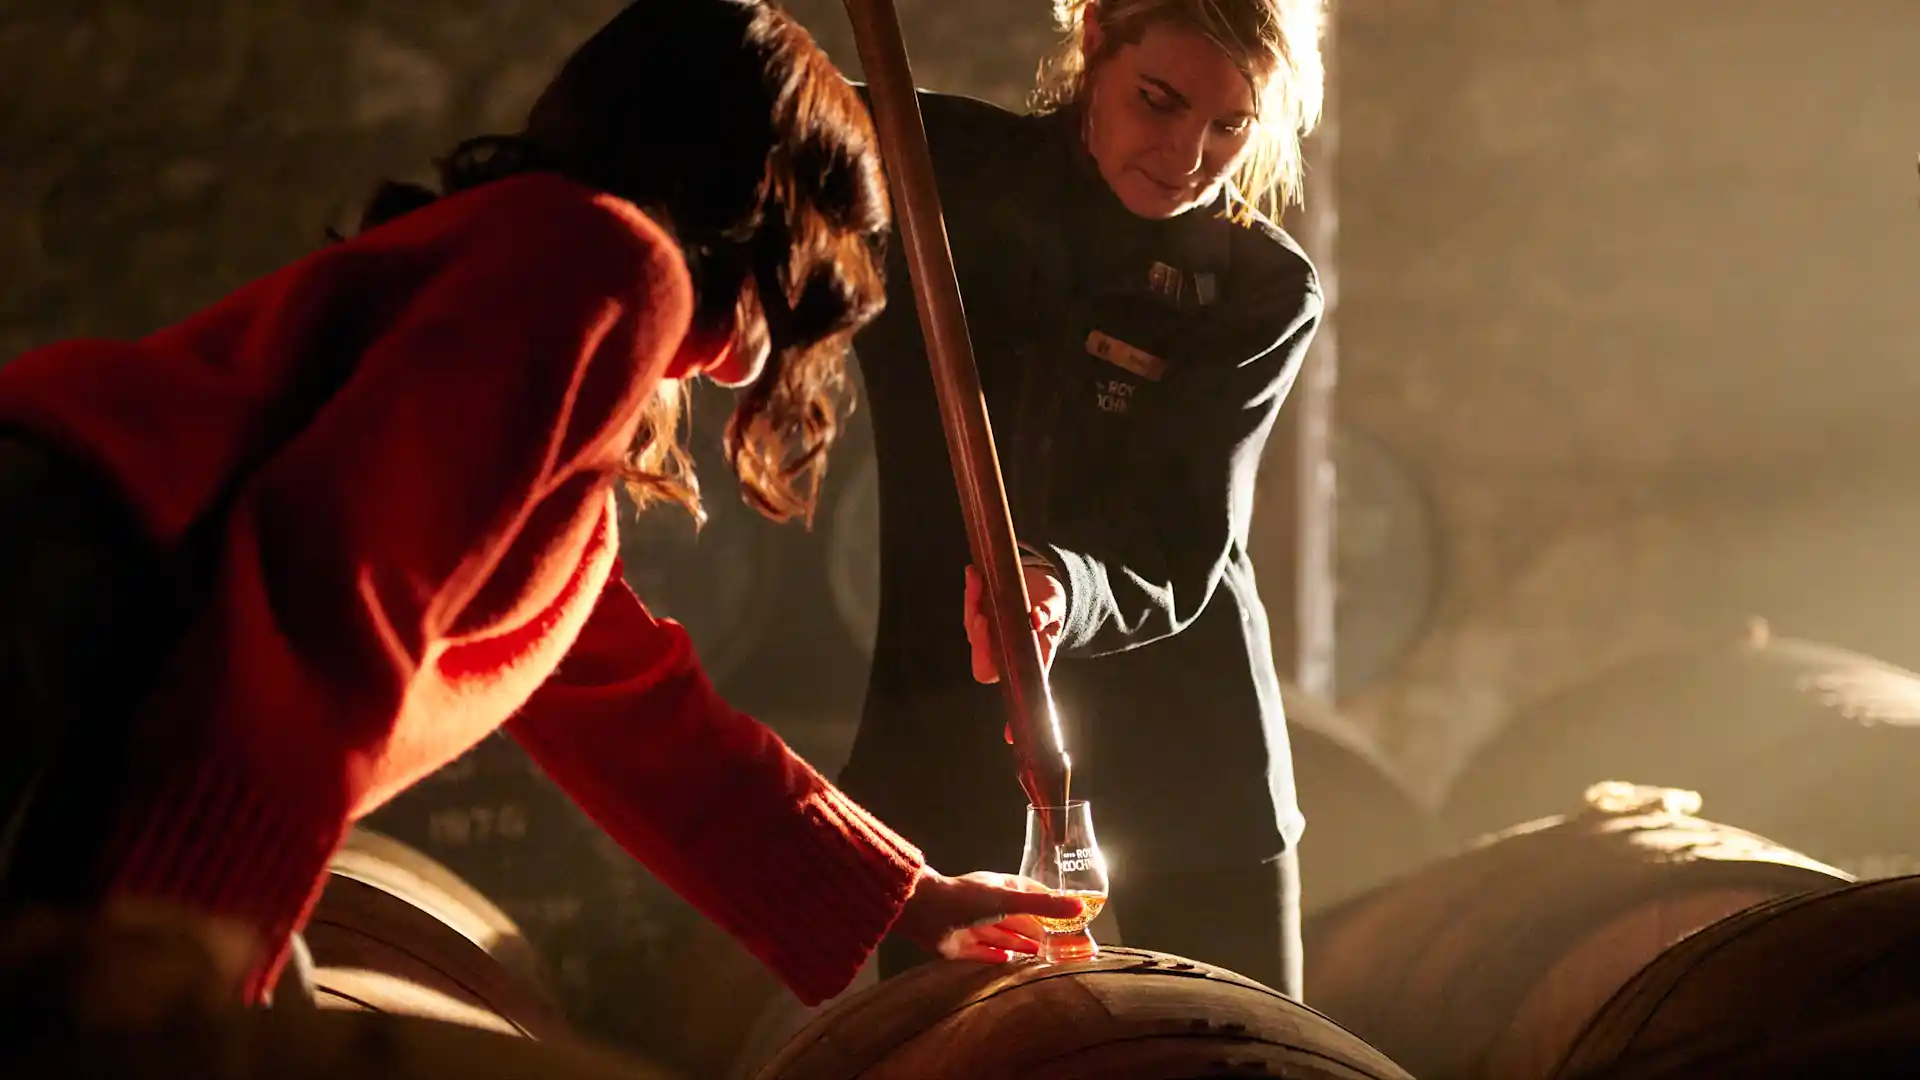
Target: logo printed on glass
<point>1078,860</point>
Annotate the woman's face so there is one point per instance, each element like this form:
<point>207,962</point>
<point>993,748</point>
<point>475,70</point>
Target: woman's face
<point>742,359</point>
<point>1167,119</point>
<point>732,355</point>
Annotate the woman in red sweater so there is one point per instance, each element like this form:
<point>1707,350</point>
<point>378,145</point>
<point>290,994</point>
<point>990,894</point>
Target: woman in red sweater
<point>268,567</point>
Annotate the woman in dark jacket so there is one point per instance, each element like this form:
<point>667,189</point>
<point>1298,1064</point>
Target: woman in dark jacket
<point>1137,322</point>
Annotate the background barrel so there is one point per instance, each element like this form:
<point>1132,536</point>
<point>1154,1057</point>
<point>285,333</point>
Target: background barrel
<point>1385,555</point>
<point>276,1044</point>
<point>1794,969</point>
<point>1487,965</point>
<point>395,932</point>
<point>1807,744</point>
<point>851,527</point>
<point>1364,825</point>
<point>1125,1015</point>
<point>726,582</point>
<point>1880,1045</point>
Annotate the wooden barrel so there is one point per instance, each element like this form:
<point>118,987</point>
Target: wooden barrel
<point>1364,826</point>
<point>1883,1043</point>
<point>1779,972</point>
<point>1385,552</point>
<point>853,546</point>
<point>1125,1015</point>
<point>395,932</point>
<point>1806,744</point>
<point>1486,966</point>
<point>719,581</point>
<point>271,1044</point>
<point>849,524</point>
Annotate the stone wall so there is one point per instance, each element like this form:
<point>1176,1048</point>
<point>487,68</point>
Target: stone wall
<point>1631,286</point>
<point>157,155</point>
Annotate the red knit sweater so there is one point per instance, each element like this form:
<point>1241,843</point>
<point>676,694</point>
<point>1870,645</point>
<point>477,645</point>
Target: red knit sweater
<point>432,557</point>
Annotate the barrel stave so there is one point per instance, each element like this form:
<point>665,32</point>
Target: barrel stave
<point>1773,973</point>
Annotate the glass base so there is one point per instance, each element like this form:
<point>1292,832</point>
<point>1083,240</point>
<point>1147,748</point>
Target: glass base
<point>1065,948</point>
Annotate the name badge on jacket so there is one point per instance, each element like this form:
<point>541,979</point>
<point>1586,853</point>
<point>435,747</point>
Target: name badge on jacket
<point>1115,394</point>
<point>1125,356</point>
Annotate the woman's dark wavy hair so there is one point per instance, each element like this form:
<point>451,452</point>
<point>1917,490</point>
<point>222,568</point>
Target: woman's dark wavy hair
<point>727,124</point>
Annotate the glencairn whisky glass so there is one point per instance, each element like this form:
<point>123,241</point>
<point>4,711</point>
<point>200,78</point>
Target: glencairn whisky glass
<point>1062,854</point>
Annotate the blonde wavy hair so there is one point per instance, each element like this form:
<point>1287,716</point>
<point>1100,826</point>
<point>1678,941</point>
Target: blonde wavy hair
<point>1274,43</point>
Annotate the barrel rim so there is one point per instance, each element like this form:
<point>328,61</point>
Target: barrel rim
<point>997,979</point>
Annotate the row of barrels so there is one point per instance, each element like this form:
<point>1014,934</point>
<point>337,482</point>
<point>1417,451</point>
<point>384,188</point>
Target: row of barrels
<point>1638,942</point>
<point>396,934</point>
<point>1498,961</point>
<point>1628,940</point>
<point>1631,940</point>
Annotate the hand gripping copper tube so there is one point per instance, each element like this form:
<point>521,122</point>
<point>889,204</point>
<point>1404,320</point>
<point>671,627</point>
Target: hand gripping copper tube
<point>1044,768</point>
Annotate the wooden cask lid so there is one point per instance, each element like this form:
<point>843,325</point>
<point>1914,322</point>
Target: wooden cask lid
<point>1128,1014</point>
<point>1793,968</point>
<point>1487,965</point>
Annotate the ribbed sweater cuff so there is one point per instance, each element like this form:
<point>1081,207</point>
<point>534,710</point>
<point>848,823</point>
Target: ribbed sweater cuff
<point>821,903</point>
<point>213,840</point>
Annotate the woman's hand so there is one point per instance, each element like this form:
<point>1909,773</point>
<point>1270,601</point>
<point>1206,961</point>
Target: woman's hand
<point>1048,611</point>
<point>982,916</point>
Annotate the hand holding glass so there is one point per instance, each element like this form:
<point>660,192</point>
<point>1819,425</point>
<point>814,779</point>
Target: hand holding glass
<point>1062,854</point>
